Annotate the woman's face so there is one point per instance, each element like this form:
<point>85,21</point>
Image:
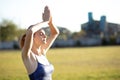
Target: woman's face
<point>40,37</point>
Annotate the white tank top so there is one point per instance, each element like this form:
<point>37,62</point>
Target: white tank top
<point>42,59</point>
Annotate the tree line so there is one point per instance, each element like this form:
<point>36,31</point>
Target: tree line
<point>9,31</point>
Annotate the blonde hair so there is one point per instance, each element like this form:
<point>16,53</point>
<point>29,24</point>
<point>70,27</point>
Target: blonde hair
<point>22,40</point>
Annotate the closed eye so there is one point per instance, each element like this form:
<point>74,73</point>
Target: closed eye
<point>41,33</point>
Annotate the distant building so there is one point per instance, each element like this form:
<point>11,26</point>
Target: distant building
<point>99,29</point>
<point>94,27</point>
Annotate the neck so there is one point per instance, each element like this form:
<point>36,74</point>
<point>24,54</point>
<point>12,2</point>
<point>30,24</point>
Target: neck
<point>37,50</point>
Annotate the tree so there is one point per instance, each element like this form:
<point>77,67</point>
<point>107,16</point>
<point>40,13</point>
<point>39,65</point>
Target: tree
<point>64,33</point>
<point>7,30</point>
<point>77,35</point>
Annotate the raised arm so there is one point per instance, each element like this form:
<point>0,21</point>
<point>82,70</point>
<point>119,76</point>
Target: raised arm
<point>28,43</point>
<point>54,32</point>
<point>47,20</point>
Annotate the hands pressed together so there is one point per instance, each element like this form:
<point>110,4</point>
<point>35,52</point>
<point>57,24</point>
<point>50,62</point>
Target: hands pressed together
<point>46,16</point>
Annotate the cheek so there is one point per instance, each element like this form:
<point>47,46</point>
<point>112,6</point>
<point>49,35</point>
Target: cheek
<point>36,35</point>
<point>37,38</point>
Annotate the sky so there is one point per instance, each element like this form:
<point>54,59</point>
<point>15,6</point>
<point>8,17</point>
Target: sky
<point>66,13</point>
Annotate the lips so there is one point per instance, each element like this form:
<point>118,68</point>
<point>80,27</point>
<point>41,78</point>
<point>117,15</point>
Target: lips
<point>44,40</point>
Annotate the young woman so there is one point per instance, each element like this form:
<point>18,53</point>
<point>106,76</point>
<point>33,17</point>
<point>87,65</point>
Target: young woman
<point>34,44</point>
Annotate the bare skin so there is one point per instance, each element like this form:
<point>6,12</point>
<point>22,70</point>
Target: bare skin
<point>36,42</point>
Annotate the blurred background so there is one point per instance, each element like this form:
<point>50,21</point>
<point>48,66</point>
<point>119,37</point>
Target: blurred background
<point>81,23</point>
<point>86,49</point>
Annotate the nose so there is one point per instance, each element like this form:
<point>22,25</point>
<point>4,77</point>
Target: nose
<point>44,36</point>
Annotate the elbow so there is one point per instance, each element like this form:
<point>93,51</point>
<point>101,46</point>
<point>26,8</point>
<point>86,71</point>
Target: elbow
<point>29,32</point>
<point>31,29</point>
<point>57,32</point>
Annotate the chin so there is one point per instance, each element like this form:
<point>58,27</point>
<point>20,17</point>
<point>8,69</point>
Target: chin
<point>44,42</point>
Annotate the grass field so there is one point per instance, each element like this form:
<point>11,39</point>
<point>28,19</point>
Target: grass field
<point>90,63</point>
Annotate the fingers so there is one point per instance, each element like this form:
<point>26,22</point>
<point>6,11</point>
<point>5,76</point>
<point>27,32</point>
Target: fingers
<point>47,10</point>
<point>46,14</point>
<point>46,6</point>
<point>43,17</point>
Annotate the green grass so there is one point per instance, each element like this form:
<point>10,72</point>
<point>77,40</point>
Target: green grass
<point>91,63</point>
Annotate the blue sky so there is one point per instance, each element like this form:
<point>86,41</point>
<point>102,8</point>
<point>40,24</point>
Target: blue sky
<point>66,13</point>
